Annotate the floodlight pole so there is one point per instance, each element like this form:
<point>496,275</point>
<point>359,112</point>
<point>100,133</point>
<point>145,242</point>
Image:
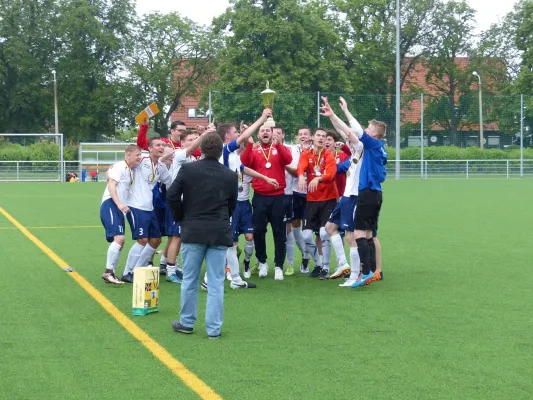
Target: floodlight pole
<point>56,123</point>
<point>398,89</point>
<point>480,110</point>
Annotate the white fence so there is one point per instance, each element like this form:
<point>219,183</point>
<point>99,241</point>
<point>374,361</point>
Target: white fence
<point>31,171</point>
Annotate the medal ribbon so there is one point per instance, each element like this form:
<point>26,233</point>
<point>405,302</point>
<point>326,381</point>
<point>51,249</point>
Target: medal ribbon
<point>153,171</point>
<point>130,173</point>
<point>317,163</point>
<point>264,154</point>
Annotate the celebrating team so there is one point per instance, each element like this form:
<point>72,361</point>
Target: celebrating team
<point>326,188</point>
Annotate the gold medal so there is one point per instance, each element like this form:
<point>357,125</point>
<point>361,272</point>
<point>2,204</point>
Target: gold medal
<point>267,158</point>
<point>268,165</point>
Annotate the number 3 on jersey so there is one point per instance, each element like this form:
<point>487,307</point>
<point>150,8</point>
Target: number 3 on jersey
<point>141,231</point>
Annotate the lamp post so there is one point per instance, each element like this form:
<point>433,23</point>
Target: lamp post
<point>480,111</point>
<point>56,123</point>
<point>398,89</point>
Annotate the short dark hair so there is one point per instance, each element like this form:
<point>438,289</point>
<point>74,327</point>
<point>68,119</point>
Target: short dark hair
<point>212,146</point>
<point>319,129</point>
<point>279,126</point>
<point>223,129</point>
<point>174,124</point>
<point>186,134</point>
<point>333,134</point>
<point>152,140</point>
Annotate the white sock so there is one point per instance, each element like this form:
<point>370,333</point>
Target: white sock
<point>163,260</point>
<point>133,257</point>
<point>311,246</point>
<point>113,255</point>
<point>336,242</point>
<point>300,241</point>
<point>233,263</point>
<point>326,248</point>
<point>146,254</point>
<point>355,263</point>
<point>248,249</point>
<point>290,248</point>
<point>171,269</point>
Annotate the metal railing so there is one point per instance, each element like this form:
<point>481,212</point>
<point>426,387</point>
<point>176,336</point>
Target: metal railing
<point>31,171</point>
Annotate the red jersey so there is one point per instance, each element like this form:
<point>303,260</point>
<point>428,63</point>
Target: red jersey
<point>319,165</point>
<point>256,158</point>
<point>142,142</point>
<point>340,178</point>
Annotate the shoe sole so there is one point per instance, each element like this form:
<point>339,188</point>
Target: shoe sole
<point>337,276</point>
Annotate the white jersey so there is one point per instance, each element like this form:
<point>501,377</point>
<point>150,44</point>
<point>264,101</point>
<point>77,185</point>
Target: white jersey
<point>232,160</point>
<point>296,151</point>
<point>289,188</point>
<point>244,187</point>
<point>352,176</point>
<point>180,158</point>
<point>121,173</point>
<point>145,177</point>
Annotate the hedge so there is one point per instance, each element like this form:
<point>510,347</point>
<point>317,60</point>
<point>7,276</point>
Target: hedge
<point>458,153</point>
<point>42,151</point>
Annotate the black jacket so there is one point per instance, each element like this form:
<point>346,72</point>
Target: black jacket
<point>209,192</point>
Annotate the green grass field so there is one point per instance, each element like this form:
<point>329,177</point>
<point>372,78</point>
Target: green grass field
<point>451,320</point>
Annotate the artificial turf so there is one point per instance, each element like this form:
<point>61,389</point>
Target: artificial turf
<point>452,319</point>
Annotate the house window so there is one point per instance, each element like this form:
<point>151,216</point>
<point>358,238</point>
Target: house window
<point>191,113</point>
<point>194,112</point>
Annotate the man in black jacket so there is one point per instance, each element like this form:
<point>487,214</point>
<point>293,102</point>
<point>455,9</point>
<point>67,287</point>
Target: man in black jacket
<point>202,198</point>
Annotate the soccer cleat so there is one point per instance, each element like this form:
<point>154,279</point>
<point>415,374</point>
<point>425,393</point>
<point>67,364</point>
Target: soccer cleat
<point>263,270</point>
<point>374,278</point>
<point>324,274</point>
<point>162,269</point>
<point>180,328</point>
<point>315,273</point>
<point>174,278</point>
<point>289,271</point>
<point>242,285</point>
<point>348,283</point>
<point>204,285</point>
<point>109,277</point>
<point>278,274</point>
<point>341,271</point>
<point>363,280</point>
<point>304,269</point>
<point>127,278</point>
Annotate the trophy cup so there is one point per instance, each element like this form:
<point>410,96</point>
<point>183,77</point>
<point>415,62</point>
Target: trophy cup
<point>267,96</point>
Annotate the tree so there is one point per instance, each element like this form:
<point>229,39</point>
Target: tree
<point>172,58</point>
<point>447,79</point>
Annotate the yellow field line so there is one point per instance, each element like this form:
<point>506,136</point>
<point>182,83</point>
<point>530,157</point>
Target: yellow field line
<point>53,227</point>
<point>180,370</point>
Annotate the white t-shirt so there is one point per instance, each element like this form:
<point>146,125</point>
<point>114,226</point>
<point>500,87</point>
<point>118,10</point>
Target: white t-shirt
<point>121,173</point>
<point>145,177</point>
<point>180,158</point>
<point>244,187</point>
<point>289,179</point>
<point>296,152</point>
<point>352,176</point>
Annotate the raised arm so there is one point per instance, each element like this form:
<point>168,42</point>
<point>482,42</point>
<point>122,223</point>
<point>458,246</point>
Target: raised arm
<point>198,141</point>
<point>344,130</point>
<point>247,155</point>
<point>248,132</point>
<point>142,138</point>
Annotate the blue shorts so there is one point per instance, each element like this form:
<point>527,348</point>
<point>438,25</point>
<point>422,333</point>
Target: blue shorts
<point>241,220</point>
<point>344,213</point>
<point>172,228</point>
<point>143,224</point>
<point>160,214</point>
<point>288,208</point>
<point>299,201</point>
<point>112,220</point>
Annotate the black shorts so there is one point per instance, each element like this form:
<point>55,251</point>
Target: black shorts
<point>367,210</point>
<point>298,206</point>
<point>317,214</point>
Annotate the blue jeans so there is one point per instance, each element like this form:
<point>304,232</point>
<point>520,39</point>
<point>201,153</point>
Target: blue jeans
<point>193,255</point>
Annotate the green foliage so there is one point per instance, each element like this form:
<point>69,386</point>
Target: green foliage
<point>457,153</point>
<point>40,151</point>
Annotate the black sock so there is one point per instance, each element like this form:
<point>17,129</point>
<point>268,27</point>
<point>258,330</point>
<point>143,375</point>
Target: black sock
<point>372,251</point>
<point>305,262</point>
<point>246,265</point>
<point>364,254</point>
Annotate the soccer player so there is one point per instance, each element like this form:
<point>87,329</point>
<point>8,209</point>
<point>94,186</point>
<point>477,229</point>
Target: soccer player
<point>242,216</point>
<point>370,197</point>
<point>320,167</point>
<point>269,158</point>
<point>190,142</point>
<point>113,207</point>
<point>338,149</point>
<point>299,200</point>
<point>142,218</point>
<point>343,217</point>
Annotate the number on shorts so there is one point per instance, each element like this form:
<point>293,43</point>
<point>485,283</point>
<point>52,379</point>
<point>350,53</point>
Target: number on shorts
<point>121,229</point>
<point>141,231</point>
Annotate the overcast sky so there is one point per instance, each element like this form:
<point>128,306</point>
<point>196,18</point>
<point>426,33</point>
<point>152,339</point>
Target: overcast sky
<point>203,11</point>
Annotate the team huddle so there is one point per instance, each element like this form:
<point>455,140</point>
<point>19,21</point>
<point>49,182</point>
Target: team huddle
<point>313,194</point>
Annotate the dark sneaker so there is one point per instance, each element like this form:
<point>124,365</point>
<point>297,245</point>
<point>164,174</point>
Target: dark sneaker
<point>380,275</point>
<point>315,273</point>
<point>324,274</point>
<point>181,329</point>
<point>162,269</point>
<point>215,336</point>
<point>127,278</point>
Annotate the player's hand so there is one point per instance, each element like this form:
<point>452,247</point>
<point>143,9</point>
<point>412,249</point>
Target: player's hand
<point>209,130</point>
<point>251,140</point>
<point>338,145</point>
<point>123,207</point>
<point>276,138</point>
<point>243,127</point>
<point>343,105</point>
<point>272,182</point>
<point>267,112</point>
<point>313,185</point>
<point>301,185</point>
<point>146,122</point>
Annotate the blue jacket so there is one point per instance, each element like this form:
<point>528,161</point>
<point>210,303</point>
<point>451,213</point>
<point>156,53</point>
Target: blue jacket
<point>373,171</point>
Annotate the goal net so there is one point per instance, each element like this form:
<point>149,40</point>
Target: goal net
<point>31,157</point>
